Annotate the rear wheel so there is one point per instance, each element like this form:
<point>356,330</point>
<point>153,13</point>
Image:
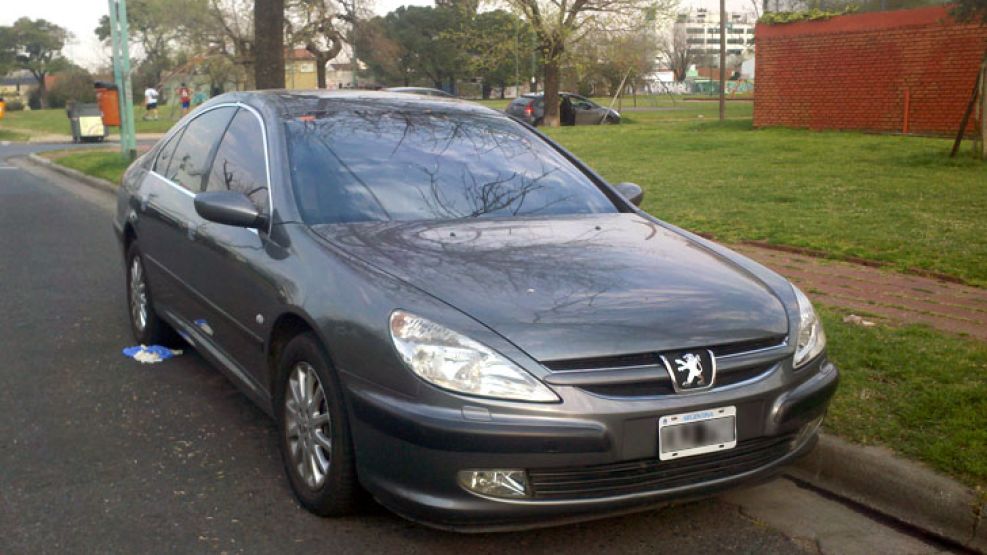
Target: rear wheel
<point>145,324</point>
<point>314,430</point>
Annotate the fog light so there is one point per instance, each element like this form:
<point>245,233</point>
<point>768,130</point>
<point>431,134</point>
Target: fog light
<point>807,430</point>
<point>495,483</point>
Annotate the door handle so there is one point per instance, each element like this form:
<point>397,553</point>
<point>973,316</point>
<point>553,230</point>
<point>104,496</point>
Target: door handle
<point>190,230</point>
<point>145,199</point>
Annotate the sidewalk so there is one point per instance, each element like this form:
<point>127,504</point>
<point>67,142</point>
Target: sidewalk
<point>881,295</point>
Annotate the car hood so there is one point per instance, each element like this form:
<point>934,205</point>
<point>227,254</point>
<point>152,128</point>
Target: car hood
<point>574,286</point>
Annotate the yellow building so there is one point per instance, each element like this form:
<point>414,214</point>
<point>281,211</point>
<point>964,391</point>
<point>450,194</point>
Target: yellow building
<point>299,70</point>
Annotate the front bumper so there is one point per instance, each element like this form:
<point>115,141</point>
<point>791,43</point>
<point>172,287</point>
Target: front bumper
<point>409,452</point>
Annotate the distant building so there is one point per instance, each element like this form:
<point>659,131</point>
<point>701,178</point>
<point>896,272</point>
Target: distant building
<point>17,85</point>
<point>299,69</point>
<point>702,29</point>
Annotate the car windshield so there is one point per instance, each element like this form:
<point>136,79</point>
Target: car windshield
<point>353,164</point>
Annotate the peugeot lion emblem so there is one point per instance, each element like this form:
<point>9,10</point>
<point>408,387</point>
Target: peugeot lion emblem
<point>692,370</point>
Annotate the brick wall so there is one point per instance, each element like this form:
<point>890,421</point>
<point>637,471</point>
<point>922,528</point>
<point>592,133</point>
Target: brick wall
<point>853,71</point>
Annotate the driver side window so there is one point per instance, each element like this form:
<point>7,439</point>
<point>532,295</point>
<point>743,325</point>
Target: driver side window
<point>239,164</point>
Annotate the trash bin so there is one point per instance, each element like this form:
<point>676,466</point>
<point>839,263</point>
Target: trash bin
<point>3,107</point>
<point>109,102</point>
<point>86,122</point>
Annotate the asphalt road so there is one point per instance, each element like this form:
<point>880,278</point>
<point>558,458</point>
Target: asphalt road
<point>99,453</point>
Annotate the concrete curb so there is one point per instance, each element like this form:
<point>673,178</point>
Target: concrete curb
<point>95,182</point>
<point>897,488</point>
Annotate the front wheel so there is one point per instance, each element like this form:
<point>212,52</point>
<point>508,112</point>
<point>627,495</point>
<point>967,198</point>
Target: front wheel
<point>145,324</point>
<point>314,430</point>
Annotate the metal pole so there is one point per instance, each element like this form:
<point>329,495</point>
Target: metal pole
<point>723,59</point>
<point>517,62</point>
<point>121,75</point>
<point>353,62</point>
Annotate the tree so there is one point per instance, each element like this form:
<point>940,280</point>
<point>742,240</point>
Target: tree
<point>227,30</point>
<point>316,25</point>
<point>492,41</point>
<point>416,44</point>
<point>627,57</point>
<point>35,45</point>
<point>385,56</point>
<point>557,23</point>
<point>971,11</point>
<point>269,44</point>
<point>678,53</point>
<point>71,84</point>
<point>157,26</point>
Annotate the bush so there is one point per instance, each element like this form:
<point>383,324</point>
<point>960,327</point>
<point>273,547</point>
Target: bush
<point>14,106</point>
<point>75,84</point>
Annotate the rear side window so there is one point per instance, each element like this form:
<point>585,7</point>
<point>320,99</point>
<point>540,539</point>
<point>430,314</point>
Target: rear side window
<point>189,164</point>
<point>166,152</point>
<point>239,164</point>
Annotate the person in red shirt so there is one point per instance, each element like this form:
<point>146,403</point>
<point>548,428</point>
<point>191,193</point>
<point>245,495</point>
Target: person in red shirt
<point>185,97</point>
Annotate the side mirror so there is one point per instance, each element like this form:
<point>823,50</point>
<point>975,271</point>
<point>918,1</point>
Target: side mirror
<point>631,192</point>
<point>230,208</point>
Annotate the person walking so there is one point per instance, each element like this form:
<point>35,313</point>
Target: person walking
<point>151,103</point>
<point>185,97</point>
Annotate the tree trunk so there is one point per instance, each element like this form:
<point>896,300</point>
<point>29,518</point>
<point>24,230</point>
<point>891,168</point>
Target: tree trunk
<point>269,44</point>
<point>551,91</point>
<point>320,71</point>
<point>485,90</point>
<point>42,91</point>
<point>502,87</point>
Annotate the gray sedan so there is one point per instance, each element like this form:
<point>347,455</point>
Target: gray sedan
<point>573,110</point>
<point>444,309</point>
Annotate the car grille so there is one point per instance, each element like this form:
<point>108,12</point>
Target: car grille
<point>663,385</point>
<point>659,382</point>
<point>654,475</point>
<point>647,359</point>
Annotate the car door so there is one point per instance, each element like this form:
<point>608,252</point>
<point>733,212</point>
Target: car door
<point>234,265</point>
<point>167,212</point>
<point>587,112</point>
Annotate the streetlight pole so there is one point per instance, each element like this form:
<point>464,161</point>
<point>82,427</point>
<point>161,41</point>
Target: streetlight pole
<point>723,59</point>
<point>121,76</point>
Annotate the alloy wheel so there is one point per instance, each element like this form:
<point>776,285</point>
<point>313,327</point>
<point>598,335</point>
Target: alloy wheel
<point>308,426</point>
<point>138,294</point>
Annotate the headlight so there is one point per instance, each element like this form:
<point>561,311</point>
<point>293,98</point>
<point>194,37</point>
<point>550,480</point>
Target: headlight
<point>811,338</point>
<point>455,362</point>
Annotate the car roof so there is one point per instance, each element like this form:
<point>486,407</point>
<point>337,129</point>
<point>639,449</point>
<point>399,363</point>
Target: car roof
<point>415,89</point>
<point>293,103</point>
<point>541,94</point>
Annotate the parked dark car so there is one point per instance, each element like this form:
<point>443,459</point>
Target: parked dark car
<point>442,307</point>
<point>530,108</point>
<point>425,91</point>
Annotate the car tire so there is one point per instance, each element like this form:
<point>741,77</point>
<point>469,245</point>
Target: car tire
<point>322,473</point>
<point>148,328</point>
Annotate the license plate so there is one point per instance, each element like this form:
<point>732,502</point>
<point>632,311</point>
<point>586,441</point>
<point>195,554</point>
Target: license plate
<point>695,433</point>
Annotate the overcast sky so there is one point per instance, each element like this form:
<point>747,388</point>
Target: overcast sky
<point>82,16</point>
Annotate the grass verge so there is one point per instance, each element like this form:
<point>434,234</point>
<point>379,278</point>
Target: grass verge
<point>105,164</point>
<point>10,135</point>
<point>912,389</point>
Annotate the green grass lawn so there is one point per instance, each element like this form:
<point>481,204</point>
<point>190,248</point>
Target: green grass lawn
<point>56,122</point>
<point>917,391</point>
<point>8,135</point>
<point>895,199</point>
<point>105,164</point>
